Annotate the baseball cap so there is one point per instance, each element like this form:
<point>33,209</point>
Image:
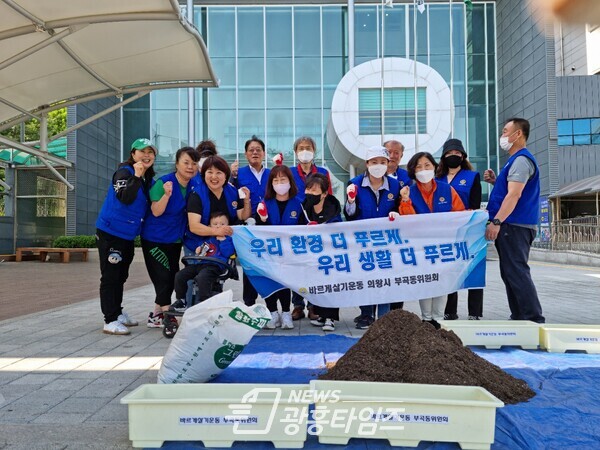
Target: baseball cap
<point>377,151</point>
<point>142,143</point>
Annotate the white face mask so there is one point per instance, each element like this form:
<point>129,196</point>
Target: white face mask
<point>305,156</point>
<point>504,144</point>
<point>281,189</point>
<point>200,163</point>
<point>425,176</point>
<point>377,170</point>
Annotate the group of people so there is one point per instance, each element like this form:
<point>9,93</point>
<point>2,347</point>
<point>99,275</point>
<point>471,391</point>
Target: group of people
<point>194,208</point>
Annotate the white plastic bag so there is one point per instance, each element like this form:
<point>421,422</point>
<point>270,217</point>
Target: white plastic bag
<point>212,334</point>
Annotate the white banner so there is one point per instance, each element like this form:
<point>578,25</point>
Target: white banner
<point>367,261</point>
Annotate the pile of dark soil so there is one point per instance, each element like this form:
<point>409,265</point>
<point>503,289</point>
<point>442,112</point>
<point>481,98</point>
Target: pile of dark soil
<point>399,348</point>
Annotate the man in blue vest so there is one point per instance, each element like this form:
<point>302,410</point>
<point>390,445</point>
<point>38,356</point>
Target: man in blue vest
<point>396,150</point>
<point>514,215</point>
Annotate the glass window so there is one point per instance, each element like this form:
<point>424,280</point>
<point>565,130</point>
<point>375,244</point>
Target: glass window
<point>170,131</point>
<point>279,82</point>
<point>279,31</point>
<point>595,126</point>
<point>476,30</point>
<point>596,139</point>
<point>250,31</point>
<point>221,128</point>
<point>439,21</point>
<point>333,72</point>
<point>581,126</point>
<point>565,140</point>
<point>225,70</point>
<point>565,127</point>
<point>308,97</point>
<point>169,98</point>
<point>365,31</point>
<point>395,32</point>
<point>221,32</point>
<point>251,83</point>
<point>422,35</point>
<point>308,123</point>
<point>252,122</point>
<point>399,111</point>
<point>280,131</point>
<point>584,139</point>
<point>334,31</point>
<point>307,33</point>
<point>221,98</point>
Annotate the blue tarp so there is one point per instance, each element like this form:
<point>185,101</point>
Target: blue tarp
<point>565,413</point>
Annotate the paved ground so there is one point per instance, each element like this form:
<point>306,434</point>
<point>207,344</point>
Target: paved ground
<point>61,378</point>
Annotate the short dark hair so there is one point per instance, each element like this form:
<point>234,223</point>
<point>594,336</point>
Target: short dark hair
<point>254,139</point>
<point>521,124</point>
<point>218,163</point>
<point>412,164</point>
<point>206,148</point>
<point>317,179</point>
<point>215,214</point>
<point>279,171</point>
<point>190,151</point>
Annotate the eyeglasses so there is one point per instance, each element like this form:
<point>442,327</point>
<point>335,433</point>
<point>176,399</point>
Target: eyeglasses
<point>255,150</point>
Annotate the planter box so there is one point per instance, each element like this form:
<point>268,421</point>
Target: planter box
<point>217,414</point>
<point>560,338</point>
<point>405,414</point>
<point>495,333</point>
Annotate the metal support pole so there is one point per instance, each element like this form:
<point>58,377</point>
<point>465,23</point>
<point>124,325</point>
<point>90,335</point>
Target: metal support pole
<point>351,34</point>
<point>191,91</point>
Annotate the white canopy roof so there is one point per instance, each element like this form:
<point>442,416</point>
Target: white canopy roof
<point>57,53</point>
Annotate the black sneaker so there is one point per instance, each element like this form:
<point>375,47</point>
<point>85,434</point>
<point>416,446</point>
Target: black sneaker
<point>357,318</point>
<point>450,316</point>
<point>433,322</point>
<point>364,322</point>
<point>178,306</point>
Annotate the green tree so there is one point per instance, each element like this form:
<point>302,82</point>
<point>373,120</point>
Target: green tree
<point>57,122</point>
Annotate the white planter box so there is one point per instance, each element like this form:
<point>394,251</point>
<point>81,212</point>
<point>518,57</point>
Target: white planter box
<point>495,333</point>
<point>211,413</point>
<point>560,338</point>
<point>406,414</point>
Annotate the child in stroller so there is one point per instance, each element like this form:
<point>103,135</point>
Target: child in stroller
<point>213,264</point>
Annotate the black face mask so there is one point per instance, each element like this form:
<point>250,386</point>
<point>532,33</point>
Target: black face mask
<point>453,161</point>
<point>312,199</point>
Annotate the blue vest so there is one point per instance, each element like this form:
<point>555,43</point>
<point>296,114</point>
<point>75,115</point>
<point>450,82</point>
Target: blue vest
<point>367,205</point>
<point>191,240</point>
<point>527,211</point>
<point>170,226</point>
<point>403,178</point>
<point>119,219</point>
<point>291,214</point>
<point>462,184</point>
<point>442,199</point>
<point>300,179</point>
<point>247,179</point>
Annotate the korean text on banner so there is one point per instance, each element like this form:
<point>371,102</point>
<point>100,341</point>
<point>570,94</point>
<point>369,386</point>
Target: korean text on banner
<point>367,261</point>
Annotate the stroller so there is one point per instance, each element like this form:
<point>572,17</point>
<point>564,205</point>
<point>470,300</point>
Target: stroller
<point>229,270</point>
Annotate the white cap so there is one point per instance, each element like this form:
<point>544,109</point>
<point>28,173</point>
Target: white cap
<point>377,151</point>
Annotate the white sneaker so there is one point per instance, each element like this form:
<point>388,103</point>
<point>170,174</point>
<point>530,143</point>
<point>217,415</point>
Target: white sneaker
<point>329,325</point>
<point>115,327</point>
<point>275,321</point>
<point>286,321</point>
<point>126,320</point>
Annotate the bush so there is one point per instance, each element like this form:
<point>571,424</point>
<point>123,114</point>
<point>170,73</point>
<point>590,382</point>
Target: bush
<point>81,241</point>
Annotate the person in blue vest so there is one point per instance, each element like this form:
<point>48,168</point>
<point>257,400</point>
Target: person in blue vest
<point>424,197</point>
<point>254,176</point>
<point>514,215</point>
<point>205,149</point>
<point>456,170</point>
<point>118,224</point>
<point>321,207</point>
<point>370,195</point>
<point>304,149</point>
<point>164,227</point>
<point>396,151</point>
<point>280,207</point>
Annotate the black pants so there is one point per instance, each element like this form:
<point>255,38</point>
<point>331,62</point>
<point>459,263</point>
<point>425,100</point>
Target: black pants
<point>206,277</point>
<point>115,256</point>
<point>475,303</point>
<point>396,305</point>
<point>285,298</point>
<point>327,313</point>
<point>249,294</point>
<point>162,263</point>
<point>513,244</point>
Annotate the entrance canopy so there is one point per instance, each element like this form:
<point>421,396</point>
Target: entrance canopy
<point>58,53</point>
<point>587,186</point>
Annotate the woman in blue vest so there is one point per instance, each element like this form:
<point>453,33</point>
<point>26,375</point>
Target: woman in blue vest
<point>305,148</point>
<point>456,170</point>
<point>164,227</point>
<point>370,195</point>
<point>254,176</point>
<point>280,207</point>
<point>119,222</point>
<point>424,197</point>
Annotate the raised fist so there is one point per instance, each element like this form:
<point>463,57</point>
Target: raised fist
<point>489,176</point>
<point>351,191</point>
<point>261,209</point>
<point>393,216</point>
<point>168,187</point>
<point>278,159</point>
<point>405,193</point>
<point>234,168</point>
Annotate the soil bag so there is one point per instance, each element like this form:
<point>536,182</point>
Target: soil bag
<point>212,334</point>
